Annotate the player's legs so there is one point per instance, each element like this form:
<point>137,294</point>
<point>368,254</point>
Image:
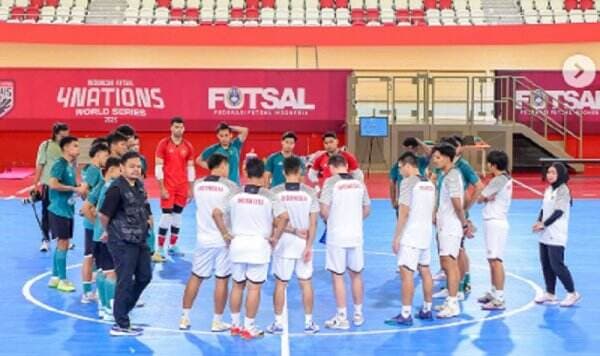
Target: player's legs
<point>189,295</point>
<point>164,224</point>
<point>336,263</point>
<point>62,228</point>
<point>87,266</point>
<point>408,289</point>
<point>45,219</point>
<point>304,272</point>
<point>238,274</point>
<point>427,284</point>
<point>176,225</point>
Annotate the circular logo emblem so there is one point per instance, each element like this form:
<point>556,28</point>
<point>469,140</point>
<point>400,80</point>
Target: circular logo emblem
<point>579,71</point>
<point>235,98</point>
<point>539,99</point>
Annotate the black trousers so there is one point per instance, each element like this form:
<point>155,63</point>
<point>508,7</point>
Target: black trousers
<point>134,272</point>
<point>45,216</point>
<point>553,266</point>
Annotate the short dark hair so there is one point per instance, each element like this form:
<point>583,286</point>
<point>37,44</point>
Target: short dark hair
<point>289,134</point>
<point>450,141</point>
<point>110,162</point>
<point>176,120</point>
<point>67,140</point>
<point>408,158</point>
<point>223,126</point>
<point>328,134</point>
<point>292,165</point>
<point>136,136</point>
<point>125,130</point>
<point>215,160</point>
<point>337,161</point>
<point>255,167</point>
<point>498,159</point>
<point>458,139</point>
<point>445,149</point>
<point>129,155</point>
<point>410,142</point>
<point>58,127</point>
<point>98,140</point>
<point>115,137</point>
<point>99,147</point>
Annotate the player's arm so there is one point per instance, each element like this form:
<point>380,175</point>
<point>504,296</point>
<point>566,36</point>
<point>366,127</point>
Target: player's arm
<point>402,219</point>
<point>393,190</point>
<point>219,218</point>
<point>112,200</point>
<point>366,203</point>
<point>469,201</point>
<point>89,211</point>
<point>456,193</point>
<point>489,192</point>
<point>191,176</point>
<point>201,160</point>
<point>242,132</point>
<point>280,223</point>
<point>425,147</point>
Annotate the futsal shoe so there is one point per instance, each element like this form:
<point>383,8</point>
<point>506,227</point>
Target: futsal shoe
<point>443,293</point>
<point>570,300</point>
<point>252,333</point>
<point>45,247</point>
<point>488,297</point>
<point>460,296</point>
<point>161,252</point>
<point>108,314</point>
<point>450,310</point>
<point>337,323</point>
<point>116,330</point>
<point>546,298</point>
<point>275,328</point>
<point>65,286</point>
<point>400,320</point>
<point>53,282</point>
<point>158,258</point>
<point>235,330</point>
<point>311,328</point>
<point>175,251</point>
<point>219,326</point>
<point>494,304</point>
<point>425,315</point>
<point>87,298</point>
<point>358,319</point>
<point>184,323</point>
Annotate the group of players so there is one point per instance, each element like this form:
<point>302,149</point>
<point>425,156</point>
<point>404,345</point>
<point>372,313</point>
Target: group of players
<point>272,220</point>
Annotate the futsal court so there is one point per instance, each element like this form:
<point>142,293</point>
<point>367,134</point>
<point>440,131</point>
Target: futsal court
<point>38,320</point>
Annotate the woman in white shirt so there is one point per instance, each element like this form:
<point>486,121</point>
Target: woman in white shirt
<point>553,226</point>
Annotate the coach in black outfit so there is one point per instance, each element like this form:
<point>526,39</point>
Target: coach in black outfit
<point>125,215</point>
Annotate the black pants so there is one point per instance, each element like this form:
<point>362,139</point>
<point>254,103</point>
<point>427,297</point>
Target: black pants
<point>553,265</point>
<point>134,272</point>
<point>45,216</point>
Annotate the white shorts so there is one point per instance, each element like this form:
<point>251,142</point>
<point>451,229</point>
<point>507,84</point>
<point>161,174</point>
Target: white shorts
<point>496,233</point>
<point>255,273</point>
<point>412,257</point>
<point>283,268</point>
<point>207,260</point>
<point>449,245</point>
<point>341,258</point>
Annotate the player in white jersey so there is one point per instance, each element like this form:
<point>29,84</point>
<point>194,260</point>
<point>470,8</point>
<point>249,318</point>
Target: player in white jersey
<point>344,204</point>
<point>451,223</point>
<point>212,253</point>
<point>412,239</point>
<point>293,253</point>
<point>254,212</point>
<point>497,197</point>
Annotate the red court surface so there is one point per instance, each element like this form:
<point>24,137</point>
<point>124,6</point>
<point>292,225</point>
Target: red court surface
<point>528,186</point>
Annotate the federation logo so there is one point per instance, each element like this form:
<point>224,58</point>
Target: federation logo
<point>234,98</point>
<point>538,99</point>
<point>7,97</point>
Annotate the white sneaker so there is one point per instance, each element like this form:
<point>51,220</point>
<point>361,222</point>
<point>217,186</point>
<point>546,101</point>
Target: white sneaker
<point>337,323</point>
<point>570,300</point>
<point>440,276</point>
<point>358,319</point>
<point>441,294</point>
<point>108,315</point>
<point>219,326</point>
<point>450,310</point>
<point>45,247</point>
<point>87,298</point>
<point>460,296</point>
<point>184,323</point>
<point>545,298</point>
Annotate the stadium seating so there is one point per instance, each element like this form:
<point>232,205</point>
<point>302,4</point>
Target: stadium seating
<point>301,12</point>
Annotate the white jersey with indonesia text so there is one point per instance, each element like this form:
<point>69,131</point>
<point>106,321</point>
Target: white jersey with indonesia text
<point>345,196</point>
<point>500,188</point>
<point>447,221</point>
<point>210,192</point>
<point>299,201</point>
<point>252,212</point>
<point>418,194</point>
<point>557,233</point>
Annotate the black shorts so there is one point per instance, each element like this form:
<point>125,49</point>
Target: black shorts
<point>103,258</point>
<point>88,249</point>
<point>61,227</point>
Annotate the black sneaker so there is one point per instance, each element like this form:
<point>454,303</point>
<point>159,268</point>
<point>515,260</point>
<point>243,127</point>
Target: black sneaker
<point>116,330</point>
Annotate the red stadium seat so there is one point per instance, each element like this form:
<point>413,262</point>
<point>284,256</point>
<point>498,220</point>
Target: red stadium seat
<point>32,13</point>
<point>430,4</point>
<point>358,17</point>
<point>53,3</point>
<point>36,3</point>
<point>268,3</point>
<point>586,4</point>
<point>417,17</point>
<point>252,4</point>
<point>191,15</point>
<point>326,4</point>
<point>372,15</point>
<point>403,16</point>
<point>445,4</point>
<point>176,15</point>
<point>163,3</point>
<point>570,4</point>
<point>252,14</point>
<point>236,14</point>
<point>17,13</point>
<point>341,4</point>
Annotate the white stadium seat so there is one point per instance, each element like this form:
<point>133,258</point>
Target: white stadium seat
<point>531,16</point>
<point>193,4</point>
<point>342,17</point>
<point>560,16</point>
<point>448,17</point>
<point>463,17</point>
<point>432,17</point>
<point>576,16</point>
<point>590,16</point>
<point>546,16</point>
<point>161,16</point>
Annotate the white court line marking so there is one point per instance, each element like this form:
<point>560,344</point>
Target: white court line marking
<point>285,337</point>
<point>11,197</point>
<point>26,189</point>
<point>535,191</point>
<point>26,291</point>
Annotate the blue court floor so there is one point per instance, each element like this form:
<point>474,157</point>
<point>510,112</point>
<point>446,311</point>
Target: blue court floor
<point>36,320</point>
